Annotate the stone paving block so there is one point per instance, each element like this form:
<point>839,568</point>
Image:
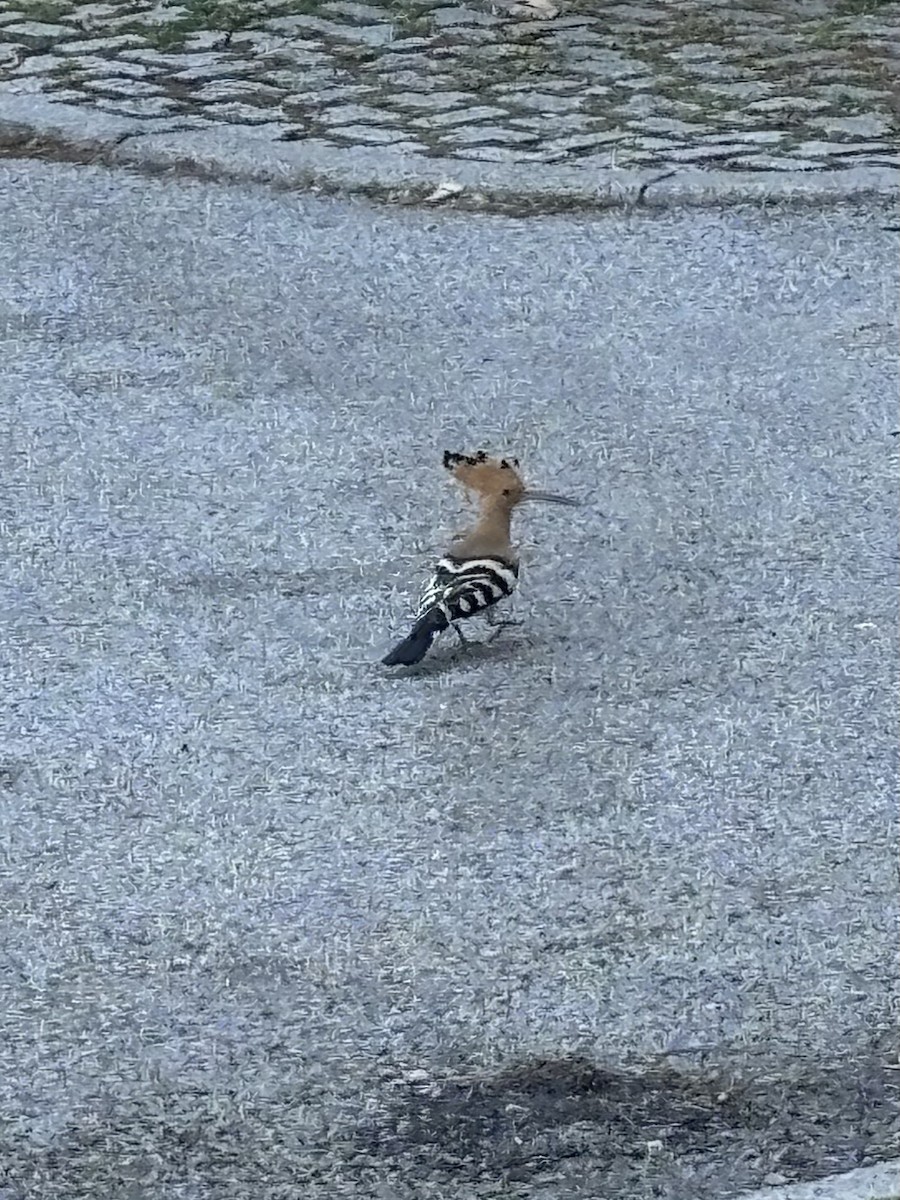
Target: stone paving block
<point>36,64</point>
<point>646,70</point>
<point>771,162</point>
<point>38,34</point>
<point>459,116</point>
<point>141,108</point>
<point>370,135</point>
<point>425,101</point>
<point>244,114</point>
<point>861,126</point>
<point>492,134</point>
<point>353,114</point>
<point>126,88</point>
<point>583,141</point>
<point>358,13</point>
<point>103,45</point>
<point>544,102</point>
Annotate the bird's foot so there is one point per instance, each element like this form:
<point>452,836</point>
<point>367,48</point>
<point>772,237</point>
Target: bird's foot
<point>499,626</point>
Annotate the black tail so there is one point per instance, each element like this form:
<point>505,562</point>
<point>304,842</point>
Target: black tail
<point>414,647</point>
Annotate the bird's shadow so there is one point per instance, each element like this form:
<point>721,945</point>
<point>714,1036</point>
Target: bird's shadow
<point>440,662</point>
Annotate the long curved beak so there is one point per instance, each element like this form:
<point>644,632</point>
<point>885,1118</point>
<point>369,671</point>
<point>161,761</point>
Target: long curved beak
<point>550,498</point>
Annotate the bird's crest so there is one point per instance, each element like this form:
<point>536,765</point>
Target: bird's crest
<point>486,476</point>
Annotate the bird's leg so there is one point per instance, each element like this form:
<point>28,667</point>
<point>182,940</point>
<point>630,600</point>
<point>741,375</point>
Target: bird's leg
<point>459,633</point>
<point>498,624</point>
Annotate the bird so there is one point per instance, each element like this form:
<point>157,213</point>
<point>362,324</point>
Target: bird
<point>481,567</point>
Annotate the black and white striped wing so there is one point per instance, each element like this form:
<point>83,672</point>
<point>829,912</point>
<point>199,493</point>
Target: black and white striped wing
<point>464,587</point>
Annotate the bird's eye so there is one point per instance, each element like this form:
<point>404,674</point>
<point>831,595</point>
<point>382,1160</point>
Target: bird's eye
<point>507,491</point>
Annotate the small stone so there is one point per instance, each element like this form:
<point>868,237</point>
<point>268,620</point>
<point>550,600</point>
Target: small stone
<point>444,191</point>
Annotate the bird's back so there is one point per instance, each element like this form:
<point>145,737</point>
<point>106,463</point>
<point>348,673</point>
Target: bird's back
<point>464,586</point>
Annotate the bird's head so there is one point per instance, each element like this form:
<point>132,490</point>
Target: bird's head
<point>495,479</point>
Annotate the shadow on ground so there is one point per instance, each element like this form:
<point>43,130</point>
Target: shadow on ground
<point>570,1115</point>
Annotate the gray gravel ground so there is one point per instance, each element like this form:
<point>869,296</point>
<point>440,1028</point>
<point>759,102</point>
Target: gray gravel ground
<point>606,909</point>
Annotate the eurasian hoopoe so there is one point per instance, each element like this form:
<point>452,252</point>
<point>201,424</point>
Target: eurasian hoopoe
<point>481,566</point>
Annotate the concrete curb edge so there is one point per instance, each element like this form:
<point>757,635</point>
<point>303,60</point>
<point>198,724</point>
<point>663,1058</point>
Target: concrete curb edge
<point>33,126</point>
<point>881,1182</point>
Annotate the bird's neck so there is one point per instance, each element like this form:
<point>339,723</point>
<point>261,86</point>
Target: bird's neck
<point>490,536</point>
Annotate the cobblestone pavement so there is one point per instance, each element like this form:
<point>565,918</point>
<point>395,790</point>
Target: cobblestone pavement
<point>754,86</point>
